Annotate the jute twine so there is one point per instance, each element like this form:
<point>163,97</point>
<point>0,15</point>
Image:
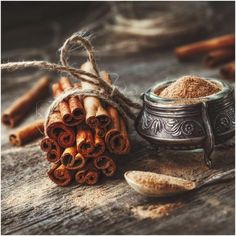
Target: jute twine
<point>107,93</point>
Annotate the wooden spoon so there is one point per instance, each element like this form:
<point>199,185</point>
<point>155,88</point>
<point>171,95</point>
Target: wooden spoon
<point>158,185</point>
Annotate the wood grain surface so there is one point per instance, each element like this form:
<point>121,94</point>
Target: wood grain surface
<point>32,204</point>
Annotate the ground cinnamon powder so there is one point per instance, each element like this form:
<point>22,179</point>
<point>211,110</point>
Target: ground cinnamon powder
<point>189,87</point>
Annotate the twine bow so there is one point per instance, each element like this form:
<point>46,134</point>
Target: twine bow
<point>106,92</point>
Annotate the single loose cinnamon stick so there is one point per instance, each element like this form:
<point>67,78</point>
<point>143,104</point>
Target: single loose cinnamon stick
<point>96,115</point>
<point>18,109</point>
<point>56,129</point>
<point>193,49</point>
<point>60,175</point>
<point>27,133</point>
<point>228,71</point>
<point>84,140</point>
<point>218,57</point>
<point>72,160</point>
<point>52,148</point>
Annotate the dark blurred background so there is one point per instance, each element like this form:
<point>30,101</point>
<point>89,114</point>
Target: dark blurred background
<point>47,24</point>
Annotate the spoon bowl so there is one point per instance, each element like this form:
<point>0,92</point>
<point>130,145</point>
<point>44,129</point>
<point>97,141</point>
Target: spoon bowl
<point>157,185</point>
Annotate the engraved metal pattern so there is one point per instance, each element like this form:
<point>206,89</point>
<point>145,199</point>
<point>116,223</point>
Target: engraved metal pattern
<point>179,128</point>
<point>174,127</point>
<point>151,123</point>
<point>225,120</point>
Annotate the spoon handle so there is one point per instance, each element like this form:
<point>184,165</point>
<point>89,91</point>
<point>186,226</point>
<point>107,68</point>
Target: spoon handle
<point>230,174</point>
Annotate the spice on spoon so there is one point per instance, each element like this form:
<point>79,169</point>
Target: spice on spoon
<point>153,184</point>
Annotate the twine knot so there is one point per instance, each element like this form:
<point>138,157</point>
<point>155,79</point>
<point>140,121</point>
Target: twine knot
<point>108,93</point>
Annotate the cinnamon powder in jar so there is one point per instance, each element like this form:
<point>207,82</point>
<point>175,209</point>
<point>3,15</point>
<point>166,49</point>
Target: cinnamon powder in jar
<point>189,87</point>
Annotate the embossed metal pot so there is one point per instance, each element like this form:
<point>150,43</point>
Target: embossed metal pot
<point>167,123</point>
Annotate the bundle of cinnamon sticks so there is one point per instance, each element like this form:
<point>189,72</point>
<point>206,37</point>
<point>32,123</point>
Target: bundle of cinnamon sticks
<point>218,51</point>
<point>82,133</point>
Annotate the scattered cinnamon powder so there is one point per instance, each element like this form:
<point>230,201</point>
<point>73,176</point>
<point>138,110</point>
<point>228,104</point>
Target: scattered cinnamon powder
<point>189,87</point>
<point>155,211</point>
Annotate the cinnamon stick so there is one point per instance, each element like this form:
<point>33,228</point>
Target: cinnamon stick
<point>110,170</point>
<point>228,71</point>
<point>125,135</point>
<point>106,165</point>
<point>101,162</point>
<point>80,176</point>
<point>116,138</point>
<point>72,160</point>
<point>60,175</point>
<point>193,49</point>
<point>63,106</point>
<point>92,177</point>
<point>96,115</point>
<point>218,57</point>
<point>18,109</point>
<point>27,133</point>
<point>99,146</point>
<point>56,129</point>
<point>74,103</point>
<point>100,132</point>
<point>84,140</point>
<point>52,149</point>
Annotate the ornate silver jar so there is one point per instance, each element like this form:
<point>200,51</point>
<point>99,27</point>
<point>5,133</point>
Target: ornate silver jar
<point>202,124</point>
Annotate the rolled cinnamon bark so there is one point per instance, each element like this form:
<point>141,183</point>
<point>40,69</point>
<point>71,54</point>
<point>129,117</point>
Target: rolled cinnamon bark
<point>27,133</point>
<point>72,160</point>
<point>115,142</point>
<point>218,57</point>
<point>80,176</point>
<point>84,140</point>
<point>60,175</point>
<point>102,162</point>
<point>125,135</point>
<point>92,177</point>
<point>63,106</point>
<point>193,49</point>
<point>106,165</point>
<point>52,148</point>
<point>100,132</point>
<point>116,138</point>
<point>99,147</point>
<point>110,170</point>
<point>57,130</point>
<point>96,115</point>
<point>74,103</point>
<point>46,144</point>
<point>228,71</point>
<point>18,109</point>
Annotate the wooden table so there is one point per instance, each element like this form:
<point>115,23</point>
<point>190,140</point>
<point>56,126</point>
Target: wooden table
<point>32,204</point>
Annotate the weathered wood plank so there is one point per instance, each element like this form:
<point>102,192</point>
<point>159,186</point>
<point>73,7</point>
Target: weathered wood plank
<point>32,204</point>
